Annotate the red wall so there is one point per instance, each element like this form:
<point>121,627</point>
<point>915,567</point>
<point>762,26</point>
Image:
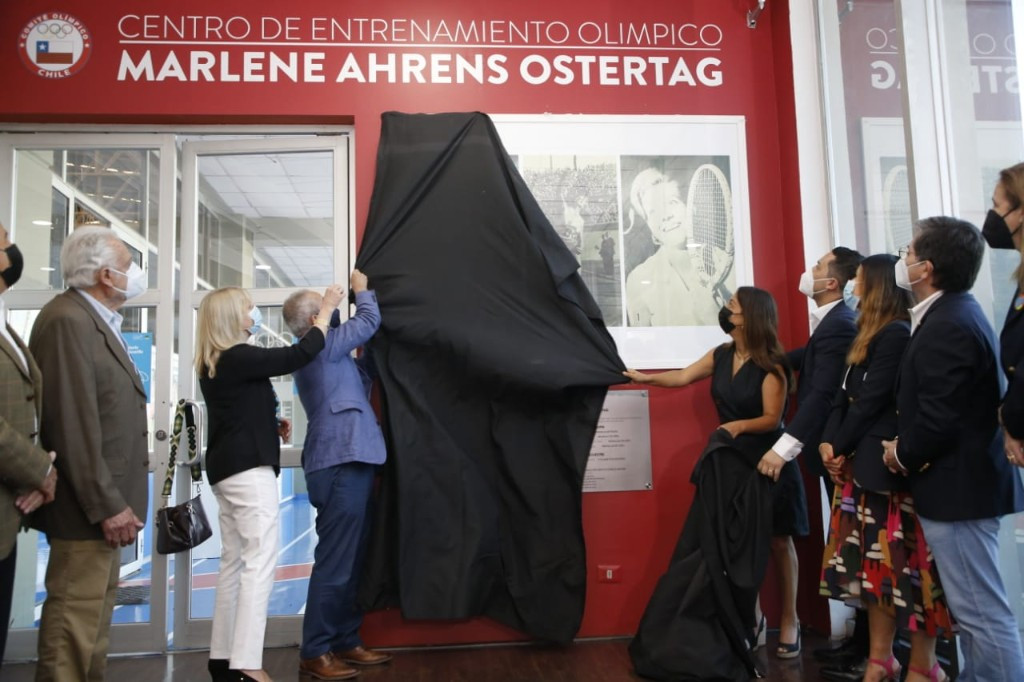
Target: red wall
<point>634,530</point>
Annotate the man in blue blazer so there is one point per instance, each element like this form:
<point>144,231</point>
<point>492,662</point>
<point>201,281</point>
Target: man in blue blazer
<point>820,365</point>
<point>342,450</point>
<point>950,445</point>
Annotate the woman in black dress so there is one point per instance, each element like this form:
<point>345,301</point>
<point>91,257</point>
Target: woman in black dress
<point>699,621</point>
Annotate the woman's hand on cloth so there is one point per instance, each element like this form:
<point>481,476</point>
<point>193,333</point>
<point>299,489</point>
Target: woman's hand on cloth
<point>638,377</point>
<point>734,428</point>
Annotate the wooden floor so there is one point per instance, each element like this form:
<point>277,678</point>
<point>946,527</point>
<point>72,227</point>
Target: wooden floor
<point>587,661</point>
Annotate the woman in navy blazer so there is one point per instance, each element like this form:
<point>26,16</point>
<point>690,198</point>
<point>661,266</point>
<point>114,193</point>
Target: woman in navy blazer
<point>242,461</point>
<point>1002,230</point>
<point>876,557</point>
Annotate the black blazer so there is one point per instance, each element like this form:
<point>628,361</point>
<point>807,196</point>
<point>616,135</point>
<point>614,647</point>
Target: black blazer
<point>1011,355</point>
<point>820,364</point>
<point>947,395</point>
<point>864,413</point>
<point>241,405</point>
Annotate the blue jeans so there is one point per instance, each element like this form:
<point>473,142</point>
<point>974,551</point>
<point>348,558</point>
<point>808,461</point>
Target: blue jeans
<point>966,555</point>
<point>341,495</point>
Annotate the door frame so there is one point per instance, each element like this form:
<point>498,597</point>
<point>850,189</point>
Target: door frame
<point>281,630</point>
<point>129,637</point>
<point>175,271</point>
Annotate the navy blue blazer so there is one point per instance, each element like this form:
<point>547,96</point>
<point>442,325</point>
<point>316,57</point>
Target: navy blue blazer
<point>820,364</point>
<point>864,412</point>
<point>947,395</point>
<point>335,392</point>
<point>1011,355</point>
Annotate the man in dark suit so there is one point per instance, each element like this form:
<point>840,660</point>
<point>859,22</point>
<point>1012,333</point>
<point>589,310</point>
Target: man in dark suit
<point>27,476</point>
<point>94,417</point>
<point>343,448</point>
<point>820,365</point>
<point>950,445</point>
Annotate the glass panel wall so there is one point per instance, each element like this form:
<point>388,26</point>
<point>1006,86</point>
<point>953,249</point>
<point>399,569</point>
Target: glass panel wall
<point>964,61</point>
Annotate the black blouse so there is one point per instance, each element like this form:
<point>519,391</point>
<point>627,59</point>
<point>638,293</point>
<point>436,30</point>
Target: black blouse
<point>241,405</point>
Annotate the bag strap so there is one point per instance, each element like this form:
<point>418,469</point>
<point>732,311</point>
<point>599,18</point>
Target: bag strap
<point>183,415</point>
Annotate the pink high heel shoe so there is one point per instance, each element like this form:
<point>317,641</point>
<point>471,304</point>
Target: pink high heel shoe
<point>891,667</point>
<point>936,674</point>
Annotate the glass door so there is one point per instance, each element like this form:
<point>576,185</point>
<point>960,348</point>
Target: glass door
<point>272,216</point>
<point>50,184</point>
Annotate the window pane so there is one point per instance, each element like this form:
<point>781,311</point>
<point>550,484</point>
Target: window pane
<point>863,57</point>
<point>59,190</point>
<point>266,220</point>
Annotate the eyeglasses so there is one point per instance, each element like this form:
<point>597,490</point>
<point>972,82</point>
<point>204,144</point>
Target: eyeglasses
<point>904,252</point>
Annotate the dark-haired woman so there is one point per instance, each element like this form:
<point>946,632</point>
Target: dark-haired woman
<point>877,557</point>
<point>699,620</point>
<point>1002,230</point>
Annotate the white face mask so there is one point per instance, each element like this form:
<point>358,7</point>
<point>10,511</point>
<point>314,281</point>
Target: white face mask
<point>136,277</point>
<point>852,299</point>
<point>807,284</point>
<point>902,271</point>
<point>257,320</point>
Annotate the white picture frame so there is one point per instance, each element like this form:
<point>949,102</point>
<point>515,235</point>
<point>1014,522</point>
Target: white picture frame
<point>681,148</point>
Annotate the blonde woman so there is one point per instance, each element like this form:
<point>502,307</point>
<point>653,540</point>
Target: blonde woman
<point>242,462</point>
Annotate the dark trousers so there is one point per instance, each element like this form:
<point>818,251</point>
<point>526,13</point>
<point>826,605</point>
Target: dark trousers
<point>6,593</point>
<point>341,495</point>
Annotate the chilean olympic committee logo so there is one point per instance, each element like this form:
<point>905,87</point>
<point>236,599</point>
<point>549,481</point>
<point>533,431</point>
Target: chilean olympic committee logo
<point>55,45</point>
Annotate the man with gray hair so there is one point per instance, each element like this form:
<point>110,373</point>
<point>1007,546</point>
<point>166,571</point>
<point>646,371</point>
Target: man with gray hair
<point>340,456</point>
<point>94,417</point>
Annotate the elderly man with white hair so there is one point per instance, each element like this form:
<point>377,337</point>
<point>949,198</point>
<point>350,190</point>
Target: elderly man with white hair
<point>94,417</point>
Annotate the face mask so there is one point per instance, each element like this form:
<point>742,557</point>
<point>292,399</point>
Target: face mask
<point>903,274</point>
<point>852,299</point>
<point>996,232</point>
<point>13,272</point>
<point>257,320</point>
<point>723,320</point>
<point>807,283</point>
<point>136,277</point>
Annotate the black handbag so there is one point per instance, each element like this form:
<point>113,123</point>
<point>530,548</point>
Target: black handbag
<point>182,526</point>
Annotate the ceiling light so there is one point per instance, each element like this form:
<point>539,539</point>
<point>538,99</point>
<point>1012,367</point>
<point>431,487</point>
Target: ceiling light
<point>47,269</point>
<point>42,223</point>
<point>264,267</point>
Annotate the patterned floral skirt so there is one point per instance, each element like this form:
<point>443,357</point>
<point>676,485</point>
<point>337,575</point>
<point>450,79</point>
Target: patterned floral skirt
<point>877,554</point>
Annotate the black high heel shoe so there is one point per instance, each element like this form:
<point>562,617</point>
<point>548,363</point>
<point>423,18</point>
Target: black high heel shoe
<point>218,667</point>
<point>789,650</point>
<point>220,672</point>
<point>237,676</point>
<point>760,634</point>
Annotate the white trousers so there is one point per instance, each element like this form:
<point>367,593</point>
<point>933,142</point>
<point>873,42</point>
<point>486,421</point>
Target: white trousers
<point>249,542</point>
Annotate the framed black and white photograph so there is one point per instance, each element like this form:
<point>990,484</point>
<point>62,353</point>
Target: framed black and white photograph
<point>655,209</point>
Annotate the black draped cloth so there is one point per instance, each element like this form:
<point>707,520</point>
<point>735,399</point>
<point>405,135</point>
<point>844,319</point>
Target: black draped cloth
<point>698,620</point>
<point>494,363</point>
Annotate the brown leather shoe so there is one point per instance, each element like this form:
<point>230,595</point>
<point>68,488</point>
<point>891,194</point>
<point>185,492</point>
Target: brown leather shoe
<point>326,667</point>
<point>362,656</point>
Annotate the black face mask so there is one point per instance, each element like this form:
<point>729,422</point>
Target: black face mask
<point>996,232</point>
<point>13,272</point>
<point>723,320</point>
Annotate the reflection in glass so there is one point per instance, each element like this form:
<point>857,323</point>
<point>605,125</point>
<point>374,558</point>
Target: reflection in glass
<point>59,190</point>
